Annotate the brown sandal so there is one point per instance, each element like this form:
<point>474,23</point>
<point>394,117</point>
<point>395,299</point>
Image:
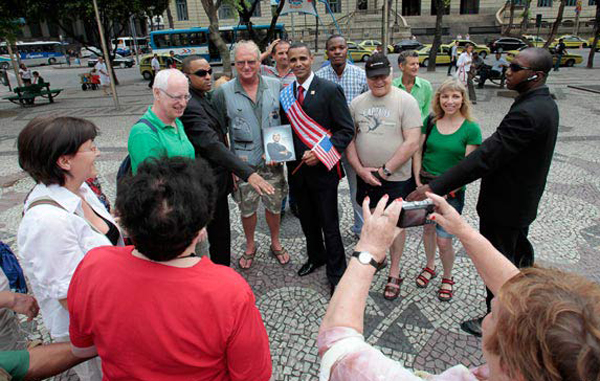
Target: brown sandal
<point>248,257</point>
<point>446,295</point>
<point>422,278</point>
<point>280,255</point>
<point>395,291</point>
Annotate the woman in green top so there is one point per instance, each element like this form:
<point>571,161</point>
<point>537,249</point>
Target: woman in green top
<point>454,135</point>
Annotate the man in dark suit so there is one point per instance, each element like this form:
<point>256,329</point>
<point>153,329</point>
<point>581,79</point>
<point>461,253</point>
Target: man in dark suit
<point>513,165</point>
<point>316,187</point>
<point>209,136</point>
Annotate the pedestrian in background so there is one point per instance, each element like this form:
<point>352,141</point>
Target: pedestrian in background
<point>155,66</point>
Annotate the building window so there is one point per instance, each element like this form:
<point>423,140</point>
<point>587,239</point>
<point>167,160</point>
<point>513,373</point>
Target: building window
<point>469,7</point>
<point>182,11</point>
<point>434,8</point>
<point>545,3</point>
<point>571,3</point>
<point>336,6</point>
<point>592,2</point>
<point>411,8</point>
<point>226,11</point>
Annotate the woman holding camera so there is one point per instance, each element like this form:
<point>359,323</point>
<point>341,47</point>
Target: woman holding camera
<point>63,219</point>
<point>449,134</point>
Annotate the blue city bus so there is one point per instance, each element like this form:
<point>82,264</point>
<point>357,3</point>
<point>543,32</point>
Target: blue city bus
<point>195,41</point>
<point>34,53</point>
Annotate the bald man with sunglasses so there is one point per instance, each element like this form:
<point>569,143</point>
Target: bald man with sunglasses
<point>209,138</point>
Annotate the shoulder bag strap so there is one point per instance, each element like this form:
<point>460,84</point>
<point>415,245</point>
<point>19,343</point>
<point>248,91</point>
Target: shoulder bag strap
<point>429,121</point>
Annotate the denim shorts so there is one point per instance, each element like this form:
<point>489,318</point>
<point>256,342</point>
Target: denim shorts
<point>458,203</point>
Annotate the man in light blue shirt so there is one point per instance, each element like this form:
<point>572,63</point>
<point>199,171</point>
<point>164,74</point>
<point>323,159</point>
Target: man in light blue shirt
<point>353,81</point>
<point>495,72</point>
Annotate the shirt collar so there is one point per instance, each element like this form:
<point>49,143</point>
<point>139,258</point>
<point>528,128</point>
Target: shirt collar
<point>418,82</point>
<point>155,120</point>
<point>238,88</point>
<point>67,199</point>
<point>543,89</point>
<point>306,84</point>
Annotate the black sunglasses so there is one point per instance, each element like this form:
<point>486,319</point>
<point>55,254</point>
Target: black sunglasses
<point>202,72</point>
<point>516,67</point>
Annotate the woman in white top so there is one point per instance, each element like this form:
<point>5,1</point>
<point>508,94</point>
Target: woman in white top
<point>465,61</point>
<point>63,218</point>
<point>25,74</point>
<point>104,77</point>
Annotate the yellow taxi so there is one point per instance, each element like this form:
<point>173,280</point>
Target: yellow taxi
<point>568,60</point>
<point>535,41</point>
<point>371,45</point>
<point>442,58</point>
<point>573,42</point>
<point>146,68</point>
<point>482,50</point>
<point>357,52</point>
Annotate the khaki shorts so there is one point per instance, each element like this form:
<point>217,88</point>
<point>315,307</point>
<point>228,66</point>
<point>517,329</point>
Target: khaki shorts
<point>247,198</point>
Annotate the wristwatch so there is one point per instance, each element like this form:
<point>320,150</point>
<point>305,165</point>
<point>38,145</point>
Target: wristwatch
<point>366,258</point>
<point>386,172</point>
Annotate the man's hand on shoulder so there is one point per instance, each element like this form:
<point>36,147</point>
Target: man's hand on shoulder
<point>260,185</point>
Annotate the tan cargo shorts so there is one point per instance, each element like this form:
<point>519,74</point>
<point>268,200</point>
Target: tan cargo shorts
<point>247,198</point>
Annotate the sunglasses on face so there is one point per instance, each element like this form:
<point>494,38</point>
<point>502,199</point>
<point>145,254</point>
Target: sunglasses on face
<point>202,72</point>
<point>516,67</point>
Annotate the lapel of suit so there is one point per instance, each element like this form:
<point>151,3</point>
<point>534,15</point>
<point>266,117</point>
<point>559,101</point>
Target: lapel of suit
<point>311,92</point>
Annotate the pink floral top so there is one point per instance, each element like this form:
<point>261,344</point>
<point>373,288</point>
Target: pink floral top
<point>352,359</point>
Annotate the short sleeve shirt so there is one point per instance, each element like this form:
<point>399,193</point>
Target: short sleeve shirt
<point>167,141</point>
<point>380,123</point>
<point>445,151</point>
<point>272,72</point>
<point>15,363</point>
<point>353,80</point>
<point>422,91</point>
<point>150,321</point>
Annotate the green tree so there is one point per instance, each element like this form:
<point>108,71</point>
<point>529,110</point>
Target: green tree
<point>211,8</point>
<point>440,7</point>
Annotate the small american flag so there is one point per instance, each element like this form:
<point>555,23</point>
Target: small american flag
<point>310,132</point>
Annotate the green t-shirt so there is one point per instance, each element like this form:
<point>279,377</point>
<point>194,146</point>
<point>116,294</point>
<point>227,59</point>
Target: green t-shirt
<point>165,142</point>
<point>16,363</point>
<point>445,151</point>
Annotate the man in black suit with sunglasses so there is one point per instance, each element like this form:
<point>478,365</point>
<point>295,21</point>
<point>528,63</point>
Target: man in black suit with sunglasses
<point>513,164</point>
<point>208,134</point>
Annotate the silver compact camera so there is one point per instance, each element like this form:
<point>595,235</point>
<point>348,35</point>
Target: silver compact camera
<point>415,213</point>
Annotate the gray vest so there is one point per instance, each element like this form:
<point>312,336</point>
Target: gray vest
<point>244,127</point>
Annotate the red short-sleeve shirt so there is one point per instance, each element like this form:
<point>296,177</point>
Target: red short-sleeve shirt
<point>150,321</point>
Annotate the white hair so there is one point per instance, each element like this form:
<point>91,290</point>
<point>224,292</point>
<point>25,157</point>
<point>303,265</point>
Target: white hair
<point>248,44</point>
<point>161,81</point>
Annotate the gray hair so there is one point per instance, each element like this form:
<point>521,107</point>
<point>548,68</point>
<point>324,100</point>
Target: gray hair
<point>248,44</point>
<point>161,81</point>
<point>405,54</point>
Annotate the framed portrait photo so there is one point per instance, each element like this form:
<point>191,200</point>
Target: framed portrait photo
<point>279,143</point>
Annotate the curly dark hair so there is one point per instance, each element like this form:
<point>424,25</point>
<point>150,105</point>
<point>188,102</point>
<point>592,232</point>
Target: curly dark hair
<point>166,204</point>
<point>45,139</point>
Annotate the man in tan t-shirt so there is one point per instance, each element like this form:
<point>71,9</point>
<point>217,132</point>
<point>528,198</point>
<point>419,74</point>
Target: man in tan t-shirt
<point>388,129</point>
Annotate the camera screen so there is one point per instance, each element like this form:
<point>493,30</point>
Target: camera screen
<point>414,217</point>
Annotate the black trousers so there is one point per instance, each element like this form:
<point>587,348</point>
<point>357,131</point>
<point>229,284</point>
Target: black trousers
<point>512,242</point>
<point>219,232</point>
<point>152,80</point>
<point>316,194</point>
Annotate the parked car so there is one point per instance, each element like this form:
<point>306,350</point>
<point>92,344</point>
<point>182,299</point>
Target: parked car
<point>371,45</point>
<point>481,49</point>
<point>118,61</point>
<point>89,51</point>
<point>442,57</point>
<point>506,43</point>
<point>534,41</point>
<point>403,45</point>
<point>570,42</point>
<point>591,43</point>
<point>146,68</point>
<point>569,59</point>
<point>357,52</point>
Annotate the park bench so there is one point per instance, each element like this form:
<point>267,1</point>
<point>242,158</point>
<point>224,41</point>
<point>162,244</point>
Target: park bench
<point>25,95</point>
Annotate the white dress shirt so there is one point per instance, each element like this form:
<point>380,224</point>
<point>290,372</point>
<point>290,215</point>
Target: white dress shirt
<point>52,241</point>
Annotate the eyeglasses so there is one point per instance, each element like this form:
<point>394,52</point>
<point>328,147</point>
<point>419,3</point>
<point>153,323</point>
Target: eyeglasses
<point>516,67</point>
<point>180,98</point>
<point>202,72</point>
<point>244,63</point>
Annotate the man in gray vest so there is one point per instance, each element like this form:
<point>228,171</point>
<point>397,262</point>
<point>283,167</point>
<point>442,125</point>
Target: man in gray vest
<point>248,104</point>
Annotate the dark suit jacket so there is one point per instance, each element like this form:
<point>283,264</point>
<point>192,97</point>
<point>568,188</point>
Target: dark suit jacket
<point>328,107</point>
<point>513,163</point>
<point>208,137</point>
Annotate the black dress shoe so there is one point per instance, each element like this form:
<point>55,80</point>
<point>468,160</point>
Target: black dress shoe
<point>472,327</point>
<point>308,268</point>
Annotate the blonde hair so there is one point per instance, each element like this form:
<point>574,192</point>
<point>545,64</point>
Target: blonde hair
<point>452,85</point>
<point>548,327</point>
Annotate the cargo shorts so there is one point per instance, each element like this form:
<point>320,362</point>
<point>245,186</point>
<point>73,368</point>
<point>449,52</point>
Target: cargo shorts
<point>247,198</point>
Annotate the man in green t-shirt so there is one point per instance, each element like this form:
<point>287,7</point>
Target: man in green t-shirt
<point>419,88</point>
